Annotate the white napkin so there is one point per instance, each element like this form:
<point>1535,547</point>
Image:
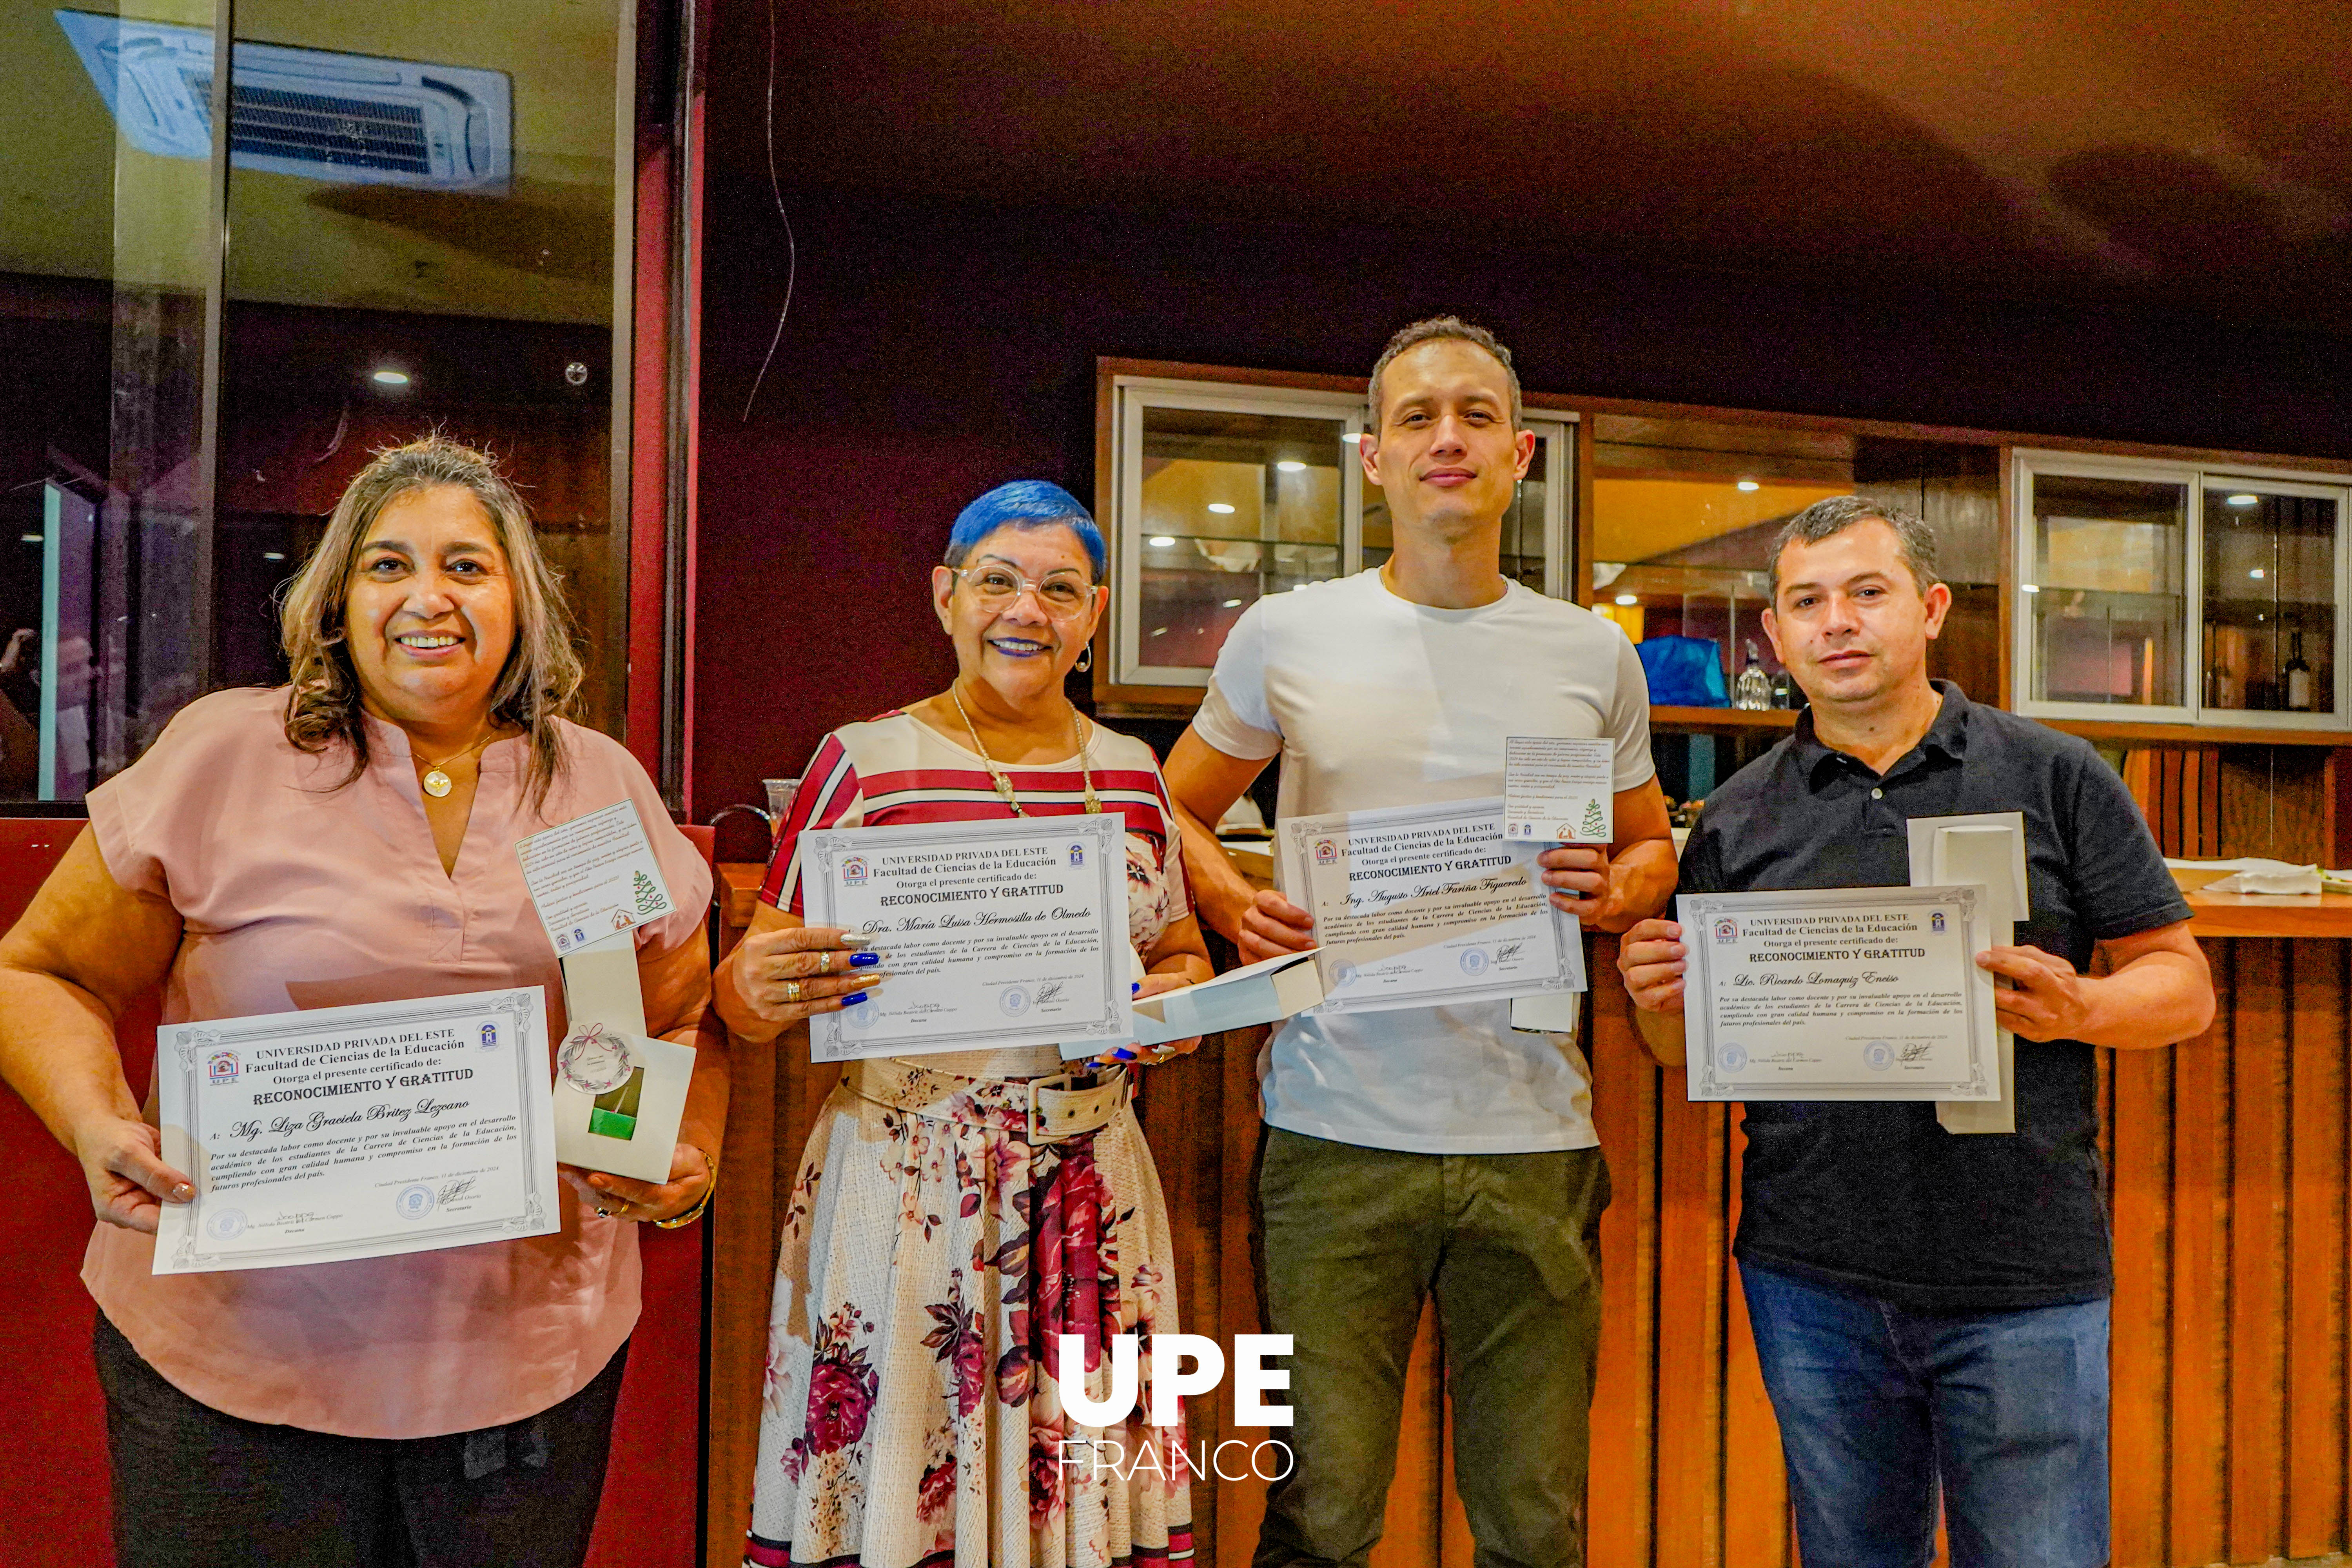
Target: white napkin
<point>2257,876</point>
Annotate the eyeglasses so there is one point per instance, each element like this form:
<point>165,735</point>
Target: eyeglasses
<point>1063,596</point>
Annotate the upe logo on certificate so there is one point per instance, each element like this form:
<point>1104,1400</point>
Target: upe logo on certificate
<point>853,871</point>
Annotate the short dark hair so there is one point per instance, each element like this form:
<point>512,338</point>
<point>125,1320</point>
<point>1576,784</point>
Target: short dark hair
<point>1827,518</point>
<point>1438,329</point>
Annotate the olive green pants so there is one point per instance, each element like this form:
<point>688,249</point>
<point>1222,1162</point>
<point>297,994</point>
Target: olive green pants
<point>1350,1240</point>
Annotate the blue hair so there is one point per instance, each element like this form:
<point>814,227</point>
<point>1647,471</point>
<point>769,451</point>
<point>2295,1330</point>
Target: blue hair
<point>1026,503</point>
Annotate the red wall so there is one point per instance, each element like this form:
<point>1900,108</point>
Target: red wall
<point>934,351</point>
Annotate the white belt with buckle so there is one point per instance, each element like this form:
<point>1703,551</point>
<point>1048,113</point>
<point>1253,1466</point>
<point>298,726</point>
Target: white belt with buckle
<point>1050,1109</point>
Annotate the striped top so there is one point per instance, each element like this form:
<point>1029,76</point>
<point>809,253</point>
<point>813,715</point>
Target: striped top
<point>895,770</point>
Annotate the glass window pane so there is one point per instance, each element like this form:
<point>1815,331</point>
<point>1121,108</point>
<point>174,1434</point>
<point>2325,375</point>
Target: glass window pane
<point>104,263</point>
<point>421,206</point>
<point>1234,506</point>
<point>2270,600</point>
<point>2104,583</point>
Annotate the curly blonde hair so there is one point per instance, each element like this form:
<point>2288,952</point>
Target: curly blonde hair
<point>542,670</point>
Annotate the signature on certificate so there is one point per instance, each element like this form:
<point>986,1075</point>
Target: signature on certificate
<point>1917,1051</point>
<point>451,1191</point>
<point>1049,991</point>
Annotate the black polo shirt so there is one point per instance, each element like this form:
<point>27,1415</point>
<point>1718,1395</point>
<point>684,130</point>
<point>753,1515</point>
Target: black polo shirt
<point>1876,1198</point>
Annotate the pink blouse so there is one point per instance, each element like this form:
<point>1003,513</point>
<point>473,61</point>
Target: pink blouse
<point>295,894</point>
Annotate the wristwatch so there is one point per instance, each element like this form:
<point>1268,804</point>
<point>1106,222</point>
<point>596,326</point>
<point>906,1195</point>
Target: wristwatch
<point>691,1215</point>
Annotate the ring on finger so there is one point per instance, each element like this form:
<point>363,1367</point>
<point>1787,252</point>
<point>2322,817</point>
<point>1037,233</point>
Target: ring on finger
<point>792,990</point>
<point>825,962</point>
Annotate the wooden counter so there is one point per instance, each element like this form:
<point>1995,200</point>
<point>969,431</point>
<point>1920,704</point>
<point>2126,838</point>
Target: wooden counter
<point>2228,1159</point>
<point>2269,914</point>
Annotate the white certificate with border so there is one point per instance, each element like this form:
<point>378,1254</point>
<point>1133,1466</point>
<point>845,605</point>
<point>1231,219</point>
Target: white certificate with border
<point>1427,906</point>
<point>991,933</point>
<point>1839,994</point>
<point>345,1132</point>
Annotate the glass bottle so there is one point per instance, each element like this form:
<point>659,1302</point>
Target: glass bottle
<point>1784,690</point>
<point>2298,677</point>
<point>1753,690</point>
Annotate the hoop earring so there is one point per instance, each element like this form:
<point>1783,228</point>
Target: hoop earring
<point>1085,660</point>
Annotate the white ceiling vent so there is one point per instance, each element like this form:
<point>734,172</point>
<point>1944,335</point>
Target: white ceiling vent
<point>345,118</point>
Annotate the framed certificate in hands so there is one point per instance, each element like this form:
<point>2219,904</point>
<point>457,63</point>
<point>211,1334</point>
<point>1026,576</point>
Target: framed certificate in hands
<point>1839,994</point>
<point>991,933</point>
<point>1427,906</point>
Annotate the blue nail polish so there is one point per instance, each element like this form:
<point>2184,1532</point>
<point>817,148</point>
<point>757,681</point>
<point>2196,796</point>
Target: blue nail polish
<point>1133,987</point>
<point>864,960</point>
<point>852,1001</point>
<point>1125,1055</point>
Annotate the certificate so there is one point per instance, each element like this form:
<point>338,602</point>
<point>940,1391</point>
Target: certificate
<point>1839,994</point>
<point>1427,906</point>
<point>992,933</point>
<point>364,1131</point>
<point>1558,789</point>
<point>593,876</point>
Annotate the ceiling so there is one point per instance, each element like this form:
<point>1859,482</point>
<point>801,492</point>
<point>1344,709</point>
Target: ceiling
<point>2132,152</point>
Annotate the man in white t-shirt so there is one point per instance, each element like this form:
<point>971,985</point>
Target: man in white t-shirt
<point>1430,1150</point>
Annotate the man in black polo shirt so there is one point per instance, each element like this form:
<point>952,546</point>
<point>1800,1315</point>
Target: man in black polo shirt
<point>1929,1306</point>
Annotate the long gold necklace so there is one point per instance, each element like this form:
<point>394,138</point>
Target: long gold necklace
<point>1004,785</point>
<point>437,781</point>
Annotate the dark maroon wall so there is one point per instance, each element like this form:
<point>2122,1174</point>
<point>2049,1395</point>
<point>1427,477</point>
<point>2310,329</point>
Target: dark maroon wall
<point>934,351</point>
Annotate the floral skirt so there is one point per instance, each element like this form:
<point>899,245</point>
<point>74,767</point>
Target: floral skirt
<point>912,1419</point>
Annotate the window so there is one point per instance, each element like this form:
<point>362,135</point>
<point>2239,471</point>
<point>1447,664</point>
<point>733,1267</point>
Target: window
<point>2129,567</point>
<point>217,296</point>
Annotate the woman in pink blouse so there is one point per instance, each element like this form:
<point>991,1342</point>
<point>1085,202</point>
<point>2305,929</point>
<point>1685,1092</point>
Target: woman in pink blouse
<point>351,838</point>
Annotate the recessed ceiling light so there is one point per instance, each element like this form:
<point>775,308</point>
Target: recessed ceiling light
<point>1629,598</point>
<point>391,377</point>
<point>273,555</point>
<point>2242,499</point>
<point>1353,437</point>
<point>2255,573</point>
<point>1231,604</point>
<point>1291,465</point>
<point>1221,507</point>
<point>1163,540</point>
<point>1159,631</point>
<point>2029,588</point>
<point>30,538</point>
<point>1750,485</point>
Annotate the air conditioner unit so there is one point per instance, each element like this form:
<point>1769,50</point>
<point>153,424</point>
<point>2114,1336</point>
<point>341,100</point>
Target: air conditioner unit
<point>350,119</point>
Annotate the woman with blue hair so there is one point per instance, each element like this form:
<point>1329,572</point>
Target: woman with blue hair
<point>955,1215</point>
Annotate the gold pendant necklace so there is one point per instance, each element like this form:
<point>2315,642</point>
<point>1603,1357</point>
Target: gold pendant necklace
<point>1004,785</point>
<point>437,781</point>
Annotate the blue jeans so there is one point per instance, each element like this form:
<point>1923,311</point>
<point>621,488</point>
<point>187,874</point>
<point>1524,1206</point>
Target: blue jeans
<point>1877,1404</point>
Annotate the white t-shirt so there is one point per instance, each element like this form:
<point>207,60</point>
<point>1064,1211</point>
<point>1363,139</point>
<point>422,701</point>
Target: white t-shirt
<point>1373,701</point>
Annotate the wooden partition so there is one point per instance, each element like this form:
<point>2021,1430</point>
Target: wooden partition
<point>2232,1421</point>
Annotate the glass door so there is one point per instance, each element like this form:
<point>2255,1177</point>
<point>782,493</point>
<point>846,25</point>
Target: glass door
<point>2103,578</point>
<point>2271,600</point>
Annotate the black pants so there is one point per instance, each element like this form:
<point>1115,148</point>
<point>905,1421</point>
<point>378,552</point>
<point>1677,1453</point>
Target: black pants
<point>197,1489</point>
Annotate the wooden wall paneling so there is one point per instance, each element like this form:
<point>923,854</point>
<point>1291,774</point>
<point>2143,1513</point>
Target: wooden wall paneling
<point>1580,525</point>
<point>2317,1252</point>
<point>743,1222</point>
<point>1755,1532</point>
<point>1240,1506</point>
<point>1456,1547</point>
<point>2208,840</point>
<point>2274,801</point>
<point>2140,1339</point>
<point>2257,1253</point>
<point>2167,824</point>
<point>1182,1110</point>
<point>1627,1086</point>
<point>1692,1246</point>
<point>1409,1531</point>
<point>2200,1362</point>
